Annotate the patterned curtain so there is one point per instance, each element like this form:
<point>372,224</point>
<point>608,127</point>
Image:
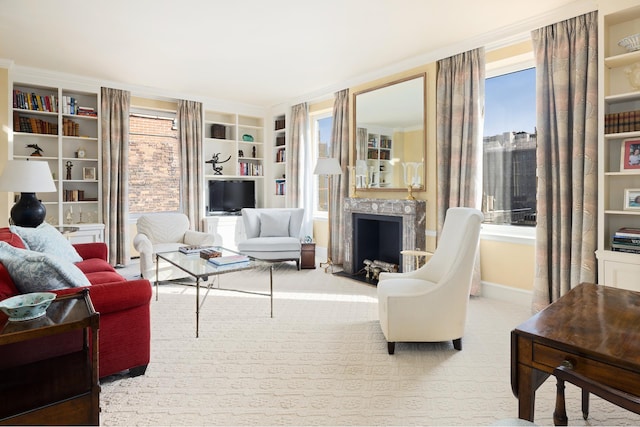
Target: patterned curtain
<point>567,156</point>
<point>460,122</point>
<point>189,119</point>
<point>299,191</point>
<point>115,172</point>
<point>340,183</point>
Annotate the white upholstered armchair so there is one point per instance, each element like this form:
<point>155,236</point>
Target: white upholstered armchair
<point>272,234</point>
<point>430,303</point>
<point>164,232</point>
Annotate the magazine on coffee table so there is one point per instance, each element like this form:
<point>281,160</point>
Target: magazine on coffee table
<point>229,259</point>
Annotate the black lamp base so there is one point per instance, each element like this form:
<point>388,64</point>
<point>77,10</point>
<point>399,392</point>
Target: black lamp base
<point>29,211</point>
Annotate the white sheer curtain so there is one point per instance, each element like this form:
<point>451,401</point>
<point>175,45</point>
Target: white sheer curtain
<point>299,168</point>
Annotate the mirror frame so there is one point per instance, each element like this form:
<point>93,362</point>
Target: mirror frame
<point>354,132</point>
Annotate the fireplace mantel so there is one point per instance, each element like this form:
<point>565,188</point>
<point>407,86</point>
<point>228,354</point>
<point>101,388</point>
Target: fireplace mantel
<point>413,213</point>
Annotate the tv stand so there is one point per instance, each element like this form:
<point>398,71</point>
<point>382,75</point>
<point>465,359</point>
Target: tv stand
<point>223,213</point>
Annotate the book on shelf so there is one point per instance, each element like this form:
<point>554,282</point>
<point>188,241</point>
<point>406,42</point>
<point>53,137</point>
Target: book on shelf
<point>229,259</point>
<point>626,240</point>
<point>627,232</point>
<point>625,248</point>
<point>193,249</point>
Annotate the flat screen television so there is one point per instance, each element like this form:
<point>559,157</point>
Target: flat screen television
<point>231,195</point>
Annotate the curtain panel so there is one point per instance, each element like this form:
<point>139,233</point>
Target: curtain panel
<point>189,120</point>
<point>298,170</point>
<point>459,132</point>
<point>115,106</point>
<point>567,156</point>
<point>339,184</point>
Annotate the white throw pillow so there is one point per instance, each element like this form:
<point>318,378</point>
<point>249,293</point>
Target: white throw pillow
<point>274,224</point>
<point>36,271</point>
<point>47,239</point>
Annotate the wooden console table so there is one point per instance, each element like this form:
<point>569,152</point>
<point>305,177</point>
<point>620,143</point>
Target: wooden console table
<point>592,328</point>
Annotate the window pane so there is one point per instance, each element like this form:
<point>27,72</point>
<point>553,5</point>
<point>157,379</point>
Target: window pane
<point>323,143</point>
<point>509,182</point>
<point>154,165</point>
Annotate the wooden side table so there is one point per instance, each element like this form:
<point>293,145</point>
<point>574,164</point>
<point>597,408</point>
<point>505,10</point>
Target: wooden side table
<point>49,365</point>
<point>308,255</point>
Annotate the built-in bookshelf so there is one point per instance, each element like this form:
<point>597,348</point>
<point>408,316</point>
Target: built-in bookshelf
<point>620,133</point>
<point>279,155</point>
<point>379,155</point>
<point>234,148</point>
<point>60,126</point>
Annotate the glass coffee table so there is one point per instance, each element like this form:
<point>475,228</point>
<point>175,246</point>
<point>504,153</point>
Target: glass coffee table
<point>201,269</point>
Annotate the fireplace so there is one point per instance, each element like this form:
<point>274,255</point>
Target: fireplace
<point>406,219</point>
<point>376,237</point>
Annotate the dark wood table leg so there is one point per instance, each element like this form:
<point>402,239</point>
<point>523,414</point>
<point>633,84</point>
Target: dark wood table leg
<point>526,392</point>
<point>560,413</point>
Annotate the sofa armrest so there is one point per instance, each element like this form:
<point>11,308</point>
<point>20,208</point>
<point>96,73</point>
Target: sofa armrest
<point>199,238</point>
<point>92,250</point>
<point>116,296</point>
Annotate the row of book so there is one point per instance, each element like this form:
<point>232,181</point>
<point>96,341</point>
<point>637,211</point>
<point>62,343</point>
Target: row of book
<point>249,169</point>
<point>281,156</point>
<point>70,128</point>
<point>34,102</point>
<point>280,187</point>
<point>627,121</point>
<point>626,239</point>
<point>33,125</point>
<point>76,196</point>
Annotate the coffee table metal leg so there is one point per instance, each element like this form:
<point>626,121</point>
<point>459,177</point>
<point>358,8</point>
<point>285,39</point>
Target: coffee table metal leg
<point>157,275</point>
<point>197,306</point>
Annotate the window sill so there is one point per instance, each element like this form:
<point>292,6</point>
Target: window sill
<point>509,233</point>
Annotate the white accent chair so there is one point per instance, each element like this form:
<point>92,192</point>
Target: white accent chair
<point>430,303</point>
<point>272,234</point>
<point>165,232</point>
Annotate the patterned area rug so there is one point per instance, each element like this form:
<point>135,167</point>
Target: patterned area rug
<point>322,360</point>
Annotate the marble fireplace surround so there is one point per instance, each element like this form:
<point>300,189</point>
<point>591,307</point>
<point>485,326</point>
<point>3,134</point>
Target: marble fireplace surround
<point>413,213</point>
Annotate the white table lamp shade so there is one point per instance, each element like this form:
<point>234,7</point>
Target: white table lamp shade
<point>27,177</point>
<point>327,166</point>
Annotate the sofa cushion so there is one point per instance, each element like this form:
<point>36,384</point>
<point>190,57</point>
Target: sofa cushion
<point>92,265</point>
<point>100,277</point>
<point>35,271</point>
<point>274,224</point>
<point>47,239</point>
<point>6,235</point>
<point>270,244</point>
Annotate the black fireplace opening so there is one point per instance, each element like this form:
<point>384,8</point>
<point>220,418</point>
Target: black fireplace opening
<point>376,237</point>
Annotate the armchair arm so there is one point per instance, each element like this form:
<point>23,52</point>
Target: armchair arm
<point>92,250</point>
<point>143,245</point>
<point>199,238</point>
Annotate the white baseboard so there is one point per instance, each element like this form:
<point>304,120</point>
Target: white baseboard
<point>506,293</point>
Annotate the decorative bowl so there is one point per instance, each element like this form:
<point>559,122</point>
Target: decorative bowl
<point>631,43</point>
<point>27,306</point>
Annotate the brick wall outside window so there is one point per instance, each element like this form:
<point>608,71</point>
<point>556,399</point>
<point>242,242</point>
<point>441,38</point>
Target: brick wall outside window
<point>154,166</point>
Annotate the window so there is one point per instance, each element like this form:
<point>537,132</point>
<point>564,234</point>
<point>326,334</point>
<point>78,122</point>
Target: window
<point>321,125</point>
<point>154,162</point>
<point>509,150</point>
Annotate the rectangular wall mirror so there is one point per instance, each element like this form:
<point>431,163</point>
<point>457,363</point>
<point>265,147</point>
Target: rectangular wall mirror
<point>389,135</point>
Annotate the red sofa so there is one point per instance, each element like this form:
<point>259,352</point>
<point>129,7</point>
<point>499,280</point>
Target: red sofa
<point>125,330</point>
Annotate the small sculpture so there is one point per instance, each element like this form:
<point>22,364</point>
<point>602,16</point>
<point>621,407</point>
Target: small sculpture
<point>217,170</point>
<point>69,166</point>
<point>253,152</point>
<point>37,151</point>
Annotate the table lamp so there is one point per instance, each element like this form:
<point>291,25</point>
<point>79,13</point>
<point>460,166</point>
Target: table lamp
<point>27,177</point>
<point>328,166</point>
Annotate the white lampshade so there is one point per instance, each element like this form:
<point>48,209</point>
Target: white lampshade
<point>327,166</point>
<point>27,176</point>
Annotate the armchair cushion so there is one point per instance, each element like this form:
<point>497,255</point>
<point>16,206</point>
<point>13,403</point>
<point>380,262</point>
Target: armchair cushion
<point>274,224</point>
<point>45,238</point>
<point>35,272</point>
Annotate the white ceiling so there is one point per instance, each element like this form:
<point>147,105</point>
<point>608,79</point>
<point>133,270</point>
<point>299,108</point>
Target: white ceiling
<point>258,52</point>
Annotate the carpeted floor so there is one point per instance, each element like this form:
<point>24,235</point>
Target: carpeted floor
<point>322,360</point>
